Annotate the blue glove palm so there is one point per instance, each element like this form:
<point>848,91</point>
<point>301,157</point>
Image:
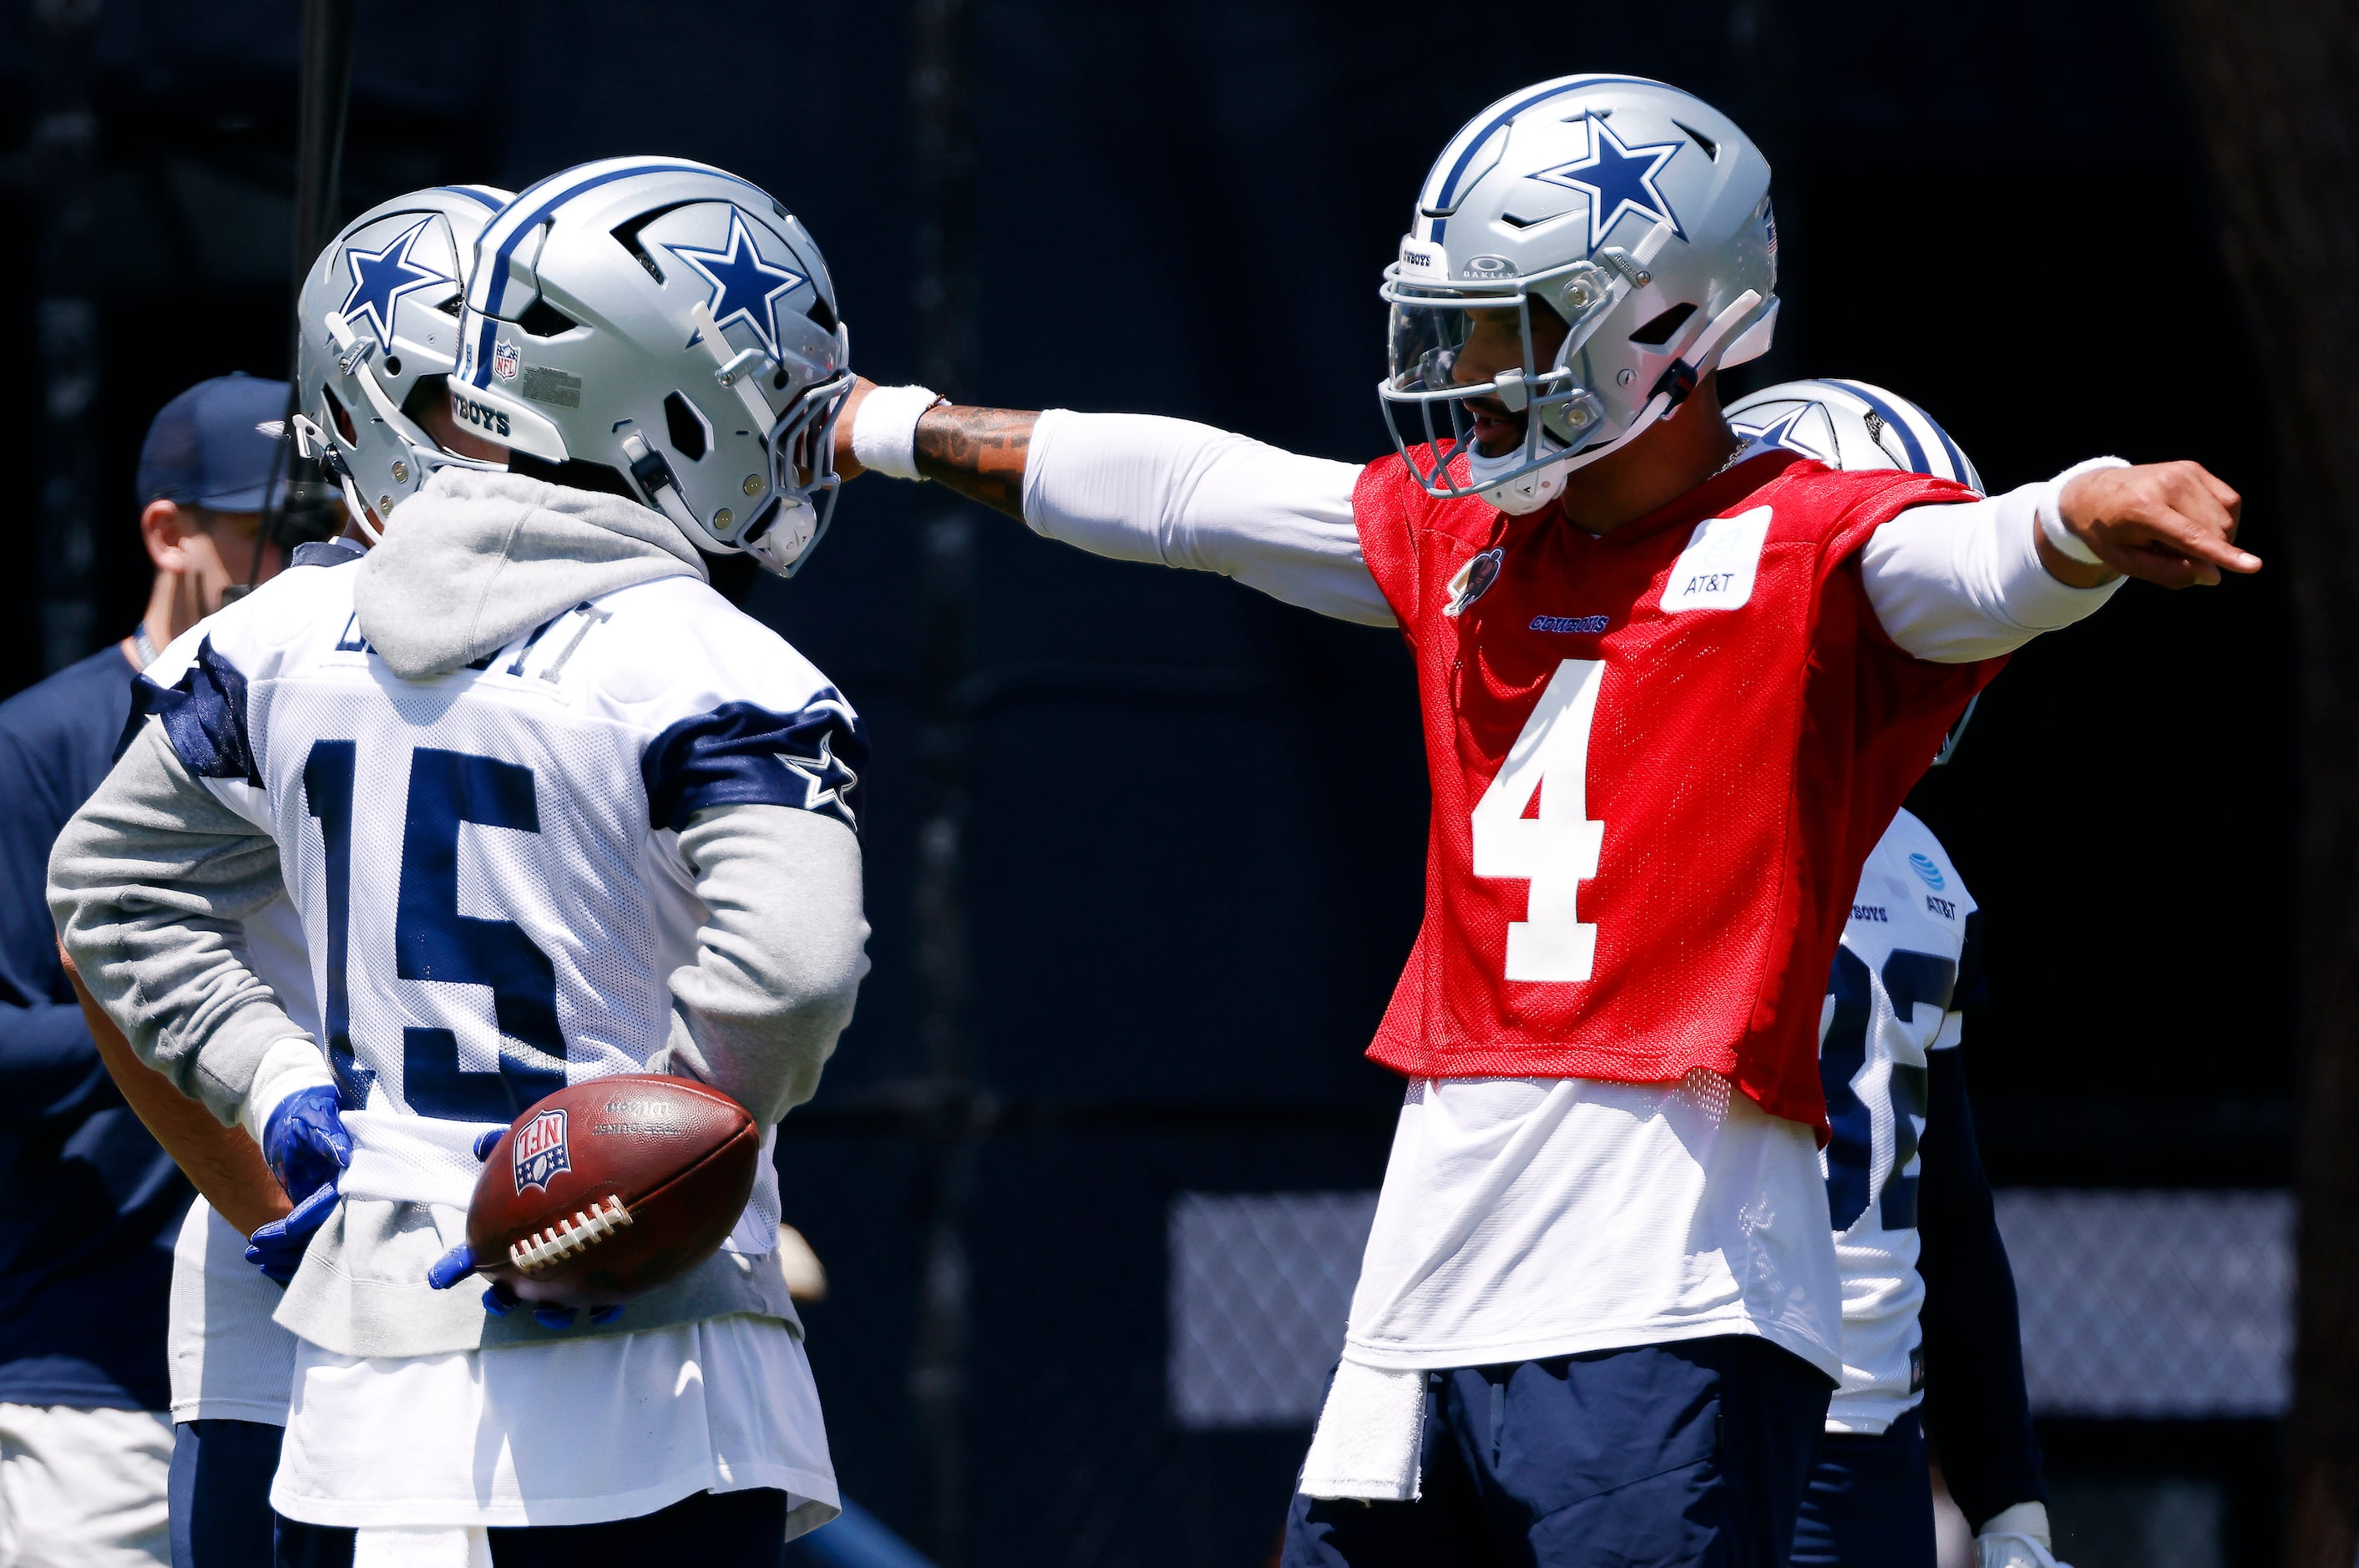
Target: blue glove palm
<point>306,1147</point>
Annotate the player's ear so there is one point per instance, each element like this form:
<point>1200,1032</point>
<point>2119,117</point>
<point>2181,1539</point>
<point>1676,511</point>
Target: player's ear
<point>162,525</point>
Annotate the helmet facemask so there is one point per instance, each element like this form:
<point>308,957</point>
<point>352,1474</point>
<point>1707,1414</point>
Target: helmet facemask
<point>1430,328</point>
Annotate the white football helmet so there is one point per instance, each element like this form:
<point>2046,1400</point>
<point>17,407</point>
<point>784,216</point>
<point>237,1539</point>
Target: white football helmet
<point>669,322</point>
<point>1639,214</point>
<point>1852,425</point>
<point>378,321</point>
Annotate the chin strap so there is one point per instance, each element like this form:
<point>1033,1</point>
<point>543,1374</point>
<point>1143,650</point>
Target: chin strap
<point>1687,372</point>
<point>655,476</point>
<point>312,441</point>
<point>1529,492</point>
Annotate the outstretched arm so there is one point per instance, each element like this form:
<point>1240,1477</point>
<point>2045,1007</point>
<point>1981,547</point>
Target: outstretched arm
<point>1133,487</point>
<point>1953,583</point>
<point>979,453</point>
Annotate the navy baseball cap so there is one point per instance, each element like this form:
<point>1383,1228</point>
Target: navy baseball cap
<point>216,445</point>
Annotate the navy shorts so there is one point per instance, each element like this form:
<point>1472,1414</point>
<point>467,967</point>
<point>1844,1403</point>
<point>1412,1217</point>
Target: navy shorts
<point>1657,1456</point>
<point>1871,1501</point>
<point>711,1529</point>
<point>221,1493</point>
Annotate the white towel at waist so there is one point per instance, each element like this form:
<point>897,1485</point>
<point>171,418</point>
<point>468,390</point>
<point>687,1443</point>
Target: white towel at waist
<point>405,1158</point>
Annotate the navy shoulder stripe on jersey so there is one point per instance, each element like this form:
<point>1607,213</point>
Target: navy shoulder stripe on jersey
<point>326,553</point>
<point>204,717</point>
<point>741,754</point>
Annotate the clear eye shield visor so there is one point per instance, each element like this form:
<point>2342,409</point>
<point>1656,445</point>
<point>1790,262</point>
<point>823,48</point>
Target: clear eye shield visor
<point>1443,345</point>
<point>799,440</point>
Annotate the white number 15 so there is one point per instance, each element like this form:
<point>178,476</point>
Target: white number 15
<point>1557,850</point>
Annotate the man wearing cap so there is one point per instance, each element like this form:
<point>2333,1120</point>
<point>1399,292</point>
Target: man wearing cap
<point>94,1204</point>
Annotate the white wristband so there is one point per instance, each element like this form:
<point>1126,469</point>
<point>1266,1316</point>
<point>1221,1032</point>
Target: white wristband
<point>2052,519</point>
<point>287,1067</point>
<point>884,429</point>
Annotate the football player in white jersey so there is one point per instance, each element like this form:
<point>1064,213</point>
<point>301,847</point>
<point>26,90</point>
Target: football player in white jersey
<point>1901,1164</point>
<point>377,324</point>
<point>550,810</point>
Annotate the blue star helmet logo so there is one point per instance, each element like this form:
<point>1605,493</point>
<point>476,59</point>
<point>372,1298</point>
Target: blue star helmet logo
<point>744,287</point>
<point>1617,179</point>
<point>1778,432</point>
<point>381,277</point>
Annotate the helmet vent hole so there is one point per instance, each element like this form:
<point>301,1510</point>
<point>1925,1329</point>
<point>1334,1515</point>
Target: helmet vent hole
<point>1710,148</point>
<point>393,364</point>
<point>824,314</point>
<point>343,420</point>
<point>543,320</point>
<point>686,427</point>
<point>628,236</point>
<point>1657,332</point>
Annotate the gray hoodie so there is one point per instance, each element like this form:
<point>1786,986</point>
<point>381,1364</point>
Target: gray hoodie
<point>150,879</point>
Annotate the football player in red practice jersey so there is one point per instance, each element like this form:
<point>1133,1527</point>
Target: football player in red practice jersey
<point>1674,687</point>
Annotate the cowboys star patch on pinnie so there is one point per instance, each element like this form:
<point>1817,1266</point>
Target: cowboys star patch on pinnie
<point>541,1152</point>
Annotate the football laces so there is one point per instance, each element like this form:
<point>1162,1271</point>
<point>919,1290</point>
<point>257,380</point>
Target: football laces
<point>570,1238</point>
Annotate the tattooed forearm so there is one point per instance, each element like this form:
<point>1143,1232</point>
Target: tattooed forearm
<point>979,453</point>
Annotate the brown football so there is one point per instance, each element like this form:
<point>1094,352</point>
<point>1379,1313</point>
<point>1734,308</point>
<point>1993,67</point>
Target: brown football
<point>608,1189</point>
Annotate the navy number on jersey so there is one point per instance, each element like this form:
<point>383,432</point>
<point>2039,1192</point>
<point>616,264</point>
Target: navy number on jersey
<point>1909,978</point>
<point>432,940</point>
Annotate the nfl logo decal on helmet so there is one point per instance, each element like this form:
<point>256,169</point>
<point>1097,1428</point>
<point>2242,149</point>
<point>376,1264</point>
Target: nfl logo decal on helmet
<point>503,360</point>
<point>541,1152</point>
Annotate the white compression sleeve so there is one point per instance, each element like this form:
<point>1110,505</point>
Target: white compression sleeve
<point>1137,488</point>
<point>1955,583</point>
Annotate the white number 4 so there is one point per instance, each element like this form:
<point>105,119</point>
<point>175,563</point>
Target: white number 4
<point>1557,850</point>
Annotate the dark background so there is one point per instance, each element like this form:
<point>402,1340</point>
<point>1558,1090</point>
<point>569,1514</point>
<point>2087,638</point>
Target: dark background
<point>1193,824</point>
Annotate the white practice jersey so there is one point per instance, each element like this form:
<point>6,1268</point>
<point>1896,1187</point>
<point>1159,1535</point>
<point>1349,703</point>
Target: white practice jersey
<point>1888,1007</point>
<point>487,862</point>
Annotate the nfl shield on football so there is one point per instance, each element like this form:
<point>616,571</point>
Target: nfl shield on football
<point>608,1189</point>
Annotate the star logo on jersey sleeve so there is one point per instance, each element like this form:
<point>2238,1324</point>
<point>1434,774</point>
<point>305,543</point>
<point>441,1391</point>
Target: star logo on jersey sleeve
<point>381,277</point>
<point>1617,179</point>
<point>828,781</point>
<point>744,287</point>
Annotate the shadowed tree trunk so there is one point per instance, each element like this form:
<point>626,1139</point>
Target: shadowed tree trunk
<point>2277,82</point>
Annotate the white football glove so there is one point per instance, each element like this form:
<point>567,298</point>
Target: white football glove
<point>2017,1537</point>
